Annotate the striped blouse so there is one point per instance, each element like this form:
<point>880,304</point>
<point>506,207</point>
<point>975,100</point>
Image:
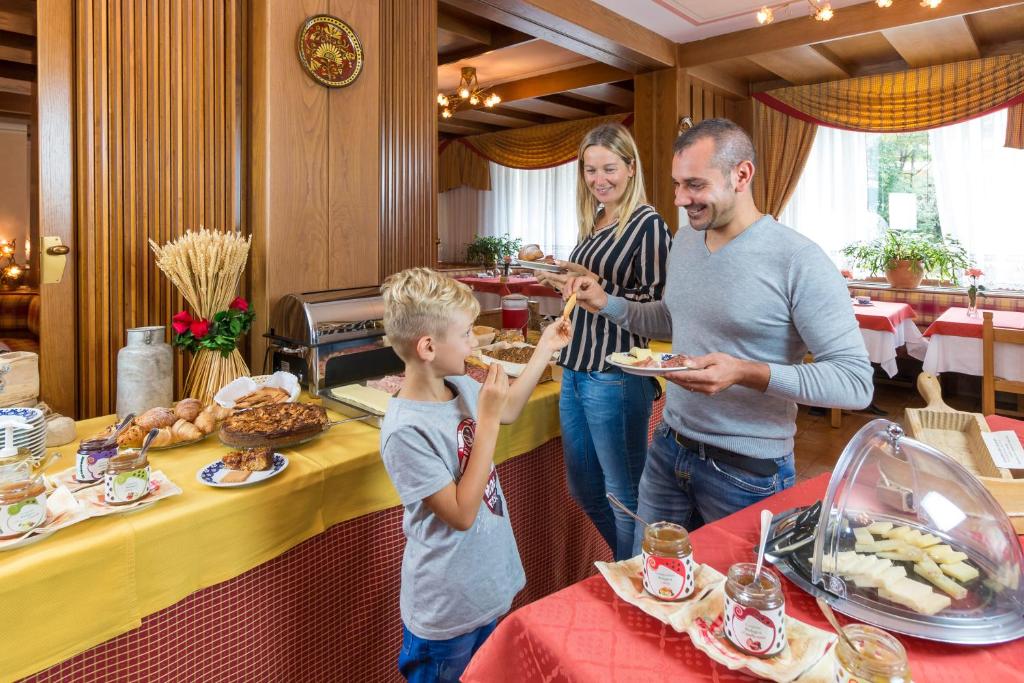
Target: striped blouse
<point>632,266</point>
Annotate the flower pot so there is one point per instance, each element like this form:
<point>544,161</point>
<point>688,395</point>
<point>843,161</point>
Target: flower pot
<point>902,274</point>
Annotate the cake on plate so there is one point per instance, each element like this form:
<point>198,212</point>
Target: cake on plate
<point>273,425</point>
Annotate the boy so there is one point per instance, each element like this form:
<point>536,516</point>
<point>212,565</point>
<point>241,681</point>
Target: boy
<point>461,566</point>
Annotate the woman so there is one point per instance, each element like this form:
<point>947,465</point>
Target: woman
<point>624,243</point>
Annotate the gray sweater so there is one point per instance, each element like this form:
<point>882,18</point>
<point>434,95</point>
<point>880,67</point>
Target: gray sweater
<point>770,295</point>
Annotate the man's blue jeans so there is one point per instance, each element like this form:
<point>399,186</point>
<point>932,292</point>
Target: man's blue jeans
<point>605,418</point>
<point>439,661</point>
<point>683,486</point>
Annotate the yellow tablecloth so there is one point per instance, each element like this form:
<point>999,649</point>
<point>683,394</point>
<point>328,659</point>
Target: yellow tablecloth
<point>95,580</point>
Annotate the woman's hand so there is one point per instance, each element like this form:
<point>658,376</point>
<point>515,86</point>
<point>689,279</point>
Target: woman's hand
<point>577,270</point>
<point>555,281</point>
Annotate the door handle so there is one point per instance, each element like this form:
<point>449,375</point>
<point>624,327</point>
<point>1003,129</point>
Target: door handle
<point>54,259</point>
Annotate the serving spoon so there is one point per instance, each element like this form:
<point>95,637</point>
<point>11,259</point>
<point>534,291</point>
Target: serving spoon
<point>618,503</point>
<point>766,525</point>
<point>830,616</point>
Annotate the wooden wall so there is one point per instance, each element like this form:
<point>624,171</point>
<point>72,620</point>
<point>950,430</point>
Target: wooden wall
<point>158,140</point>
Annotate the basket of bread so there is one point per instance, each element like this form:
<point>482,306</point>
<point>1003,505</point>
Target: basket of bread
<point>187,422</point>
<point>252,392</point>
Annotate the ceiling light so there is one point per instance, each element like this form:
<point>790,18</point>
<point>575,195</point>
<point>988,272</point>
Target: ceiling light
<point>824,13</point>
<point>442,100</point>
<point>931,4</point>
<point>883,3</point>
<point>467,94</point>
<point>765,15</point>
<point>446,113</point>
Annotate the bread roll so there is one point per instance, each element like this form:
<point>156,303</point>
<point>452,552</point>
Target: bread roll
<point>163,438</point>
<point>531,252</point>
<point>59,431</point>
<point>205,422</point>
<point>217,412</point>
<point>188,409</point>
<point>155,418</point>
<point>184,430</point>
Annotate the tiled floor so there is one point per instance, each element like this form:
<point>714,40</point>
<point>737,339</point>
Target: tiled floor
<point>818,445</point>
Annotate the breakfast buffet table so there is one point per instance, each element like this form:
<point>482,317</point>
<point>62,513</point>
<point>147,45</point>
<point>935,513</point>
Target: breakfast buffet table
<point>587,633</point>
<point>295,578</point>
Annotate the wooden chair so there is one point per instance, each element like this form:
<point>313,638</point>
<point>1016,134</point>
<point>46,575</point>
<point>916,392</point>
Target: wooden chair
<point>990,384</point>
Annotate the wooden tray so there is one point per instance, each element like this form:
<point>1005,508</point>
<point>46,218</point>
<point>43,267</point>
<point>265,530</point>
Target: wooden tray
<point>958,435</point>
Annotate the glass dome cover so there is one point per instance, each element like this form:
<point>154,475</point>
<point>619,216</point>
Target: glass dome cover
<point>910,541</point>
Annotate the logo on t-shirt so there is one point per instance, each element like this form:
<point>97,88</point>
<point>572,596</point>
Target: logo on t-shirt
<point>467,430</point>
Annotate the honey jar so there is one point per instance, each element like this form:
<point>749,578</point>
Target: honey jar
<point>668,561</point>
<point>127,477</point>
<point>22,506</point>
<point>755,612</point>
<point>878,658</point>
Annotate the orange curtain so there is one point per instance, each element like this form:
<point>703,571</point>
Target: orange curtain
<point>1015,127</point>
<point>458,165</point>
<point>916,99</point>
<point>781,144</point>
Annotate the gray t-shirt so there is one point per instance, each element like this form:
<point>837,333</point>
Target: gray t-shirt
<point>452,581</point>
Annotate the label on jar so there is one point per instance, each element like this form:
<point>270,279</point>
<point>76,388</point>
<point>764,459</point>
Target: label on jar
<point>91,465</point>
<point>126,487</point>
<point>757,632</point>
<point>668,578</point>
<point>25,515</point>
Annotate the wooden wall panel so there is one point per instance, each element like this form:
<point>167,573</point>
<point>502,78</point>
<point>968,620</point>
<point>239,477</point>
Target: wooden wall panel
<point>158,135</point>
<point>408,135</point>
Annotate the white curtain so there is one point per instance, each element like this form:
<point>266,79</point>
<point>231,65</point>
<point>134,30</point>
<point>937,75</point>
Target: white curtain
<point>460,216</point>
<point>830,204</point>
<point>979,185</point>
<point>538,206</point>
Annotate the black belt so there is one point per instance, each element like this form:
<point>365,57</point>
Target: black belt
<point>758,466</point>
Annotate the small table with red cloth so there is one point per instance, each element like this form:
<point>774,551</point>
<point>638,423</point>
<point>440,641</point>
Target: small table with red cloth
<point>494,285</point>
<point>955,345</point>
<point>586,633</point>
<point>886,326</point>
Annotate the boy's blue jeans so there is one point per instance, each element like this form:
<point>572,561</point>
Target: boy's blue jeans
<point>427,661</point>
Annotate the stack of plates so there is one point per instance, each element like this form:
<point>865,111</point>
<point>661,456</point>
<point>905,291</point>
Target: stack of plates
<point>33,439</point>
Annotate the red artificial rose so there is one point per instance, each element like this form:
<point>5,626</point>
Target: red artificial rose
<point>239,304</point>
<point>974,272</point>
<point>181,322</point>
<point>200,328</point>
<point>846,273</point>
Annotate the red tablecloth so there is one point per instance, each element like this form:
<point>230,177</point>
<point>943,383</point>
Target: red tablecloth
<point>999,423</point>
<point>883,316</point>
<point>494,285</point>
<point>955,323</point>
<point>586,633</point>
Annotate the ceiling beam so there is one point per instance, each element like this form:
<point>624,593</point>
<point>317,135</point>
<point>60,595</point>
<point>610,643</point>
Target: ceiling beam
<point>461,27</point>
<point>553,109</point>
<point>850,21</point>
<point>607,93</point>
<point>465,127</point>
<point>934,42</point>
<point>534,119</point>
<point>559,81</point>
<point>18,16</point>
<point>491,117</point>
<point>17,70</point>
<point>19,41</point>
<point>590,107</point>
<point>582,26</point>
<point>721,80</point>
<point>500,38</point>
<point>19,105</point>
<point>800,65</point>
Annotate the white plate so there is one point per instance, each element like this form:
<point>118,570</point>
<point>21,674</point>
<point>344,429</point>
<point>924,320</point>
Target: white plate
<point>234,390</point>
<point>511,369</point>
<point>647,371</point>
<point>538,265</point>
<point>870,303</point>
<point>215,471</point>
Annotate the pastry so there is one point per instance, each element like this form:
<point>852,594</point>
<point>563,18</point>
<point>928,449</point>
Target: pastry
<point>235,476</point>
<point>132,436</point>
<point>188,409</point>
<point>155,418</point>
<point>262,396</point>
<point>274,424</point>
<point>205,422</point>
<point>217,412</point>
<point>250,460</point>
<point>164,437</point>
<point>183,430</point>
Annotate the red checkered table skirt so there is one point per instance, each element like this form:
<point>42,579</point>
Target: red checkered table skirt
<point>327,610</point>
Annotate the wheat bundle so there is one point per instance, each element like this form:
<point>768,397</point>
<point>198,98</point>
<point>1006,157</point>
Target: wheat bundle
<point>206,267</point>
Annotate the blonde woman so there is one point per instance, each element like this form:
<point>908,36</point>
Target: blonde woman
<point>624,244</point>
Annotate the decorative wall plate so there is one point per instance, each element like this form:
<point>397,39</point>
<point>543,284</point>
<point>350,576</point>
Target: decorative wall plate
<point>330,51</point>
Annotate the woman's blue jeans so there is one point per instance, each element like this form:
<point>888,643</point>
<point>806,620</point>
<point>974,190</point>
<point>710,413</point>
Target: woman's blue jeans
<point>605,418</point>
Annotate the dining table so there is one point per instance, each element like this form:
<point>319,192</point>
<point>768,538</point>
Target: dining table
<point>886,326</point>
<point>955,344</point>
<point>513,284</point>
<point>585,632</point>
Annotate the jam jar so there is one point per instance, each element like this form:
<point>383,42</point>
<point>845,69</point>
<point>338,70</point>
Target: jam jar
<point>755,613</point>
<point>668,561</point>
<point>879,657</point>
<point>92,458</point>
<point>127,477</point>
<point>22,506</point>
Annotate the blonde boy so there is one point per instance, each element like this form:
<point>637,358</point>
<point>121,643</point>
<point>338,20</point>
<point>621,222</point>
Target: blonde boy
<point>461,566</point>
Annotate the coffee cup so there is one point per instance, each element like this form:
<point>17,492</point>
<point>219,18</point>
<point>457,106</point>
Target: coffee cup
<point>863,300</point>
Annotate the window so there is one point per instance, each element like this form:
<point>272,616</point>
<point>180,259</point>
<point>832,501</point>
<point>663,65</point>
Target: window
<point>957,181</point>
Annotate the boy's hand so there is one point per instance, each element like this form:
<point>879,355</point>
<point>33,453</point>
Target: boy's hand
<point>589,293</point>
<point>493,394</point>
<point>556,336</point>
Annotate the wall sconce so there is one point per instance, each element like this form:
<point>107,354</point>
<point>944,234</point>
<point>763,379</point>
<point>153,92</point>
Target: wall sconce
<point>11,273</point>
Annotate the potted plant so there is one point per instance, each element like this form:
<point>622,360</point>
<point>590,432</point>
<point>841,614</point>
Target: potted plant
<point>486,251</point>
<point>907,257</point>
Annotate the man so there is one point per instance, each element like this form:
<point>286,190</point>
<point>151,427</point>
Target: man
<point>745,299</point>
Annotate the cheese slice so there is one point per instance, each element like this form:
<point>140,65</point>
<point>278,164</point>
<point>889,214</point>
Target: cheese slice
<point>879,528</point>
<point>916,596</point>
<point>926,541</point>
<point>904,552</point>
<point>622,358</point>
<point>863,536</point>
<point>641,354</point>
<point>367,398</point>
<point>941,581</point>
<point>897,532</point>
<point>961,571</point>
<point>944,554</point>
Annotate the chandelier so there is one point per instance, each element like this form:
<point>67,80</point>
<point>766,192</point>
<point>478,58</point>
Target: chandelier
<point>468,94</point>
<point>822,11</point>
